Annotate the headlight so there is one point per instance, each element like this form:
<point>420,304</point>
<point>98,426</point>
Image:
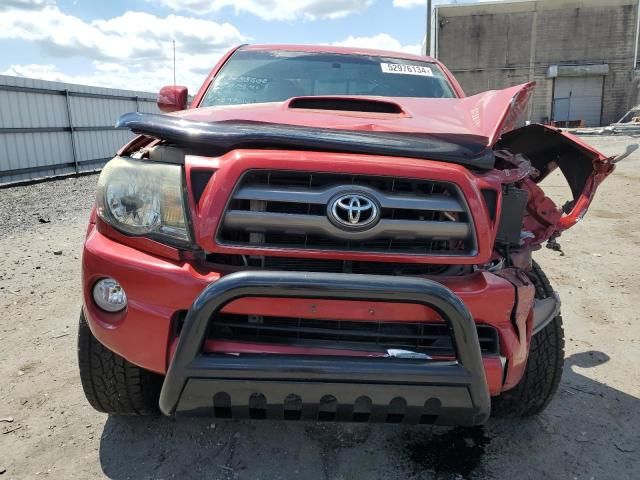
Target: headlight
<point>143,198</point>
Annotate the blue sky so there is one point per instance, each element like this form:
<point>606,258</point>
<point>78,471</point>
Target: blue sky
<point>127,44</point>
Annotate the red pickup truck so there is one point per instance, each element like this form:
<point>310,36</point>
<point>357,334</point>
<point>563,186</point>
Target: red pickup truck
<point>329,234</point>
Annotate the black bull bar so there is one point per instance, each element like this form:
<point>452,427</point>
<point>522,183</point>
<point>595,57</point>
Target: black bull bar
<point>323,387</point>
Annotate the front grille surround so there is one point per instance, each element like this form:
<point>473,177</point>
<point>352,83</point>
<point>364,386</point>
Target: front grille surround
<point>288,210</point>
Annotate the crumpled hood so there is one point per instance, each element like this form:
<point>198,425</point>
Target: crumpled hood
<point>457,130</point>
<point>486,114</point>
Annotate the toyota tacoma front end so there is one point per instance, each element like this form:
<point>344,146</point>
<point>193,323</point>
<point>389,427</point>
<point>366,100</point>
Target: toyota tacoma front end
<point>329,234</point>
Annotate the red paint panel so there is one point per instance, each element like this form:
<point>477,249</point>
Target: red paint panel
<point>142,243</point>
<point>155,288</point>
<point>486,115</point>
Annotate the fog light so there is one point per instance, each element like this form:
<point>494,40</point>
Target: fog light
<point>109,295</point>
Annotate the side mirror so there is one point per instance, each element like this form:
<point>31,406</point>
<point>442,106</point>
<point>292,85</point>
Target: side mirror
<point>172,98</point>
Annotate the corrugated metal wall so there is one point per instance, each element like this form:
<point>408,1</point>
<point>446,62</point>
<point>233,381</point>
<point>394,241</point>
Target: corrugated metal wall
<point>53,128</point>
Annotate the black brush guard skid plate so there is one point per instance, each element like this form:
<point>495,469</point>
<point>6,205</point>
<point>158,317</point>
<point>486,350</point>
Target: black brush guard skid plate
<point>398,390</point>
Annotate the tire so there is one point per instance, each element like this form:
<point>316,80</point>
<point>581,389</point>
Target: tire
<point>112,384</point>
<point>544,365</point>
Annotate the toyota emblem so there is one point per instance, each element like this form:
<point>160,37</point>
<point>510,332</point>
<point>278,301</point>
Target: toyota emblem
<point>353,211</point>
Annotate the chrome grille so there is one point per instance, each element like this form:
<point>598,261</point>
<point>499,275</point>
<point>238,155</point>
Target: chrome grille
<point>289,210</point>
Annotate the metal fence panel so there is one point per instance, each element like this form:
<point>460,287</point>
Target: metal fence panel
<point>53,128</point>
<point>25,110</point>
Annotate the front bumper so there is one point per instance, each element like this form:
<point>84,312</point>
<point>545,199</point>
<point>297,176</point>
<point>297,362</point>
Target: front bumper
<point>159,289</point>
<point>407,391</point>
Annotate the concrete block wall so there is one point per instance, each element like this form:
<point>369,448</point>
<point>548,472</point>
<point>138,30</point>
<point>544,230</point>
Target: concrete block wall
<point>494,46</point>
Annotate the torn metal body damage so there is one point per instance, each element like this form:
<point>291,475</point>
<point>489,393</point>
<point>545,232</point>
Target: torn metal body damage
<point>584,168</point>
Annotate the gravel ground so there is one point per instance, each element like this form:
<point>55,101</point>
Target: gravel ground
<point>590,430</point>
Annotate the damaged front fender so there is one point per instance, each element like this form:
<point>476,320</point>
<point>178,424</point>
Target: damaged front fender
<point>549,148</point>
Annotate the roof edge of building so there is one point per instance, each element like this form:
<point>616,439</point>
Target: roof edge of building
<point>498,6</point>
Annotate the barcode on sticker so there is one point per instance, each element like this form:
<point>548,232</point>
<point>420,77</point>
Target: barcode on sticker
<point>403,69</point>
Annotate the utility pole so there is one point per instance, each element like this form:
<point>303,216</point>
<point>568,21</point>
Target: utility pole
<point>174,63</point>
<point>427,47</point>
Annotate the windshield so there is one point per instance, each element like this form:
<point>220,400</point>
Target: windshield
<point>273,76</point>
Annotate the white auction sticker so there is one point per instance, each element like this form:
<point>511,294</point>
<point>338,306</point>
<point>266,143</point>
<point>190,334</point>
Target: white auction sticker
<point>406,69</point>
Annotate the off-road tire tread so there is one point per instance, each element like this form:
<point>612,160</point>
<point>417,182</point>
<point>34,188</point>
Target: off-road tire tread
<point>112,384</point>
<point>544,365</point>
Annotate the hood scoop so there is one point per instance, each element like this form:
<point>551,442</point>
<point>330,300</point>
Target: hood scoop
<point>346,104</point>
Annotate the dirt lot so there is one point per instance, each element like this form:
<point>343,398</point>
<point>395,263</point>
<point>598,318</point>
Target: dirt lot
<point>590,431</point>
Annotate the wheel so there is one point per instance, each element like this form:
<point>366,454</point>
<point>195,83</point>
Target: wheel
<point>544,365</point>
<point>112,384</point>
